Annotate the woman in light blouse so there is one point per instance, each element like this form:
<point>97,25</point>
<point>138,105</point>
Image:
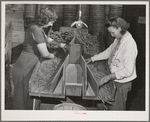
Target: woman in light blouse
<point>121,55</point>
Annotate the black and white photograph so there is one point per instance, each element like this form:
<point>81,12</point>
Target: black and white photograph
<point>75,60</point>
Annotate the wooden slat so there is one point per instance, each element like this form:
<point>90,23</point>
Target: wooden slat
<point>57,78</point>
<point>8,45</point>
<point>37,66</point>
<point>73,40</point>
<point>75,53</point>
<point>8,28</point>
<point>92,81</point>
<point>36,104</point>
<point>66,62</point>
<point>84,68</point>
<point>59,88</point>
<point>90,98</point>
<point>73,89</point>
<point>89,91</point>
<point>47,95</point>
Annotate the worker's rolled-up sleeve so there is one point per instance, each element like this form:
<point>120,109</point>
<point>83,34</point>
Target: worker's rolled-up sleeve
<point>37,33</point>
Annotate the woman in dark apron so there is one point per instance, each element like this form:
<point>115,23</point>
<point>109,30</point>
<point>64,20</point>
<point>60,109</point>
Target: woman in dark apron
<point>34,47</point>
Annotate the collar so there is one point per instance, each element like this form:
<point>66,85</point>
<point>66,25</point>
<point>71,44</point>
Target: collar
<point>124,36</point>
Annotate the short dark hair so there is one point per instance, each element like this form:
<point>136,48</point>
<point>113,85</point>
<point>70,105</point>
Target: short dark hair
<point>118,22</point>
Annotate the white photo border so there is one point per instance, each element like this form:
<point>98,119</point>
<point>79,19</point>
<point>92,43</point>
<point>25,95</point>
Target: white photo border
<point>34,115</point>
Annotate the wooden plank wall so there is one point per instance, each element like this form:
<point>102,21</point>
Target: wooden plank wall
<point>15,14</point>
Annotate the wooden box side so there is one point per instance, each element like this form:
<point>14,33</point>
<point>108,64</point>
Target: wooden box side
<point>73,40</point>
<point>75,51</point>
<point>84,69</point>
<point>37,66</point>
<point>56,79</point>
<point>59,77</point>
<point>76,88</point>
<point>92,88</point>
<point>66,62</point>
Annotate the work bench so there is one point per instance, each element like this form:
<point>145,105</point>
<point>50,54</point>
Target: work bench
<point>68,86</point>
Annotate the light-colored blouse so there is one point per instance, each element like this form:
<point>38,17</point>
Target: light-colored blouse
<point>123,63</point>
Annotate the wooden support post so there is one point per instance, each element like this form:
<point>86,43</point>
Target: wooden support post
<point>36,104</point>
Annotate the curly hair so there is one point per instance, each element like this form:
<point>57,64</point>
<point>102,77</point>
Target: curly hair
<point>45,16</point>
<point>118,22</point>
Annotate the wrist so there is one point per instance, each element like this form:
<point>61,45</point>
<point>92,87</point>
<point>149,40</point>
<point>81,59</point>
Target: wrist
<point>92,59</point>
<point>62,45</point>
<point>112,76</point>
<point>50,55</point>
<point>49,40</point>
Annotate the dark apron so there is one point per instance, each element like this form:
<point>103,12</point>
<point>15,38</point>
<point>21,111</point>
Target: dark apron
<point>21,74</point>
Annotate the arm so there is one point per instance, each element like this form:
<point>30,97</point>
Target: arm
<point>103,55</point>
<point>43,51</point>
<point>53,42</point>
<point>107,78</point>
<point>41,45</point>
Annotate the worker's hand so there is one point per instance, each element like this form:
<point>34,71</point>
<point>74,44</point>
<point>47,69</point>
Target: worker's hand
<point>88,60</point>
<point>51,55</point>
<point>107,78</point>
<point>49,40</point>
<point>62,45</point>
<point>104,80</point>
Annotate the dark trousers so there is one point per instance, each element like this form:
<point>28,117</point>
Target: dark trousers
<point>122,90</point>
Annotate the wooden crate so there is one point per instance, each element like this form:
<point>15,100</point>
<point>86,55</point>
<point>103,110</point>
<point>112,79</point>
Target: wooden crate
<point>57,87</point>
<point>61,86</point>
